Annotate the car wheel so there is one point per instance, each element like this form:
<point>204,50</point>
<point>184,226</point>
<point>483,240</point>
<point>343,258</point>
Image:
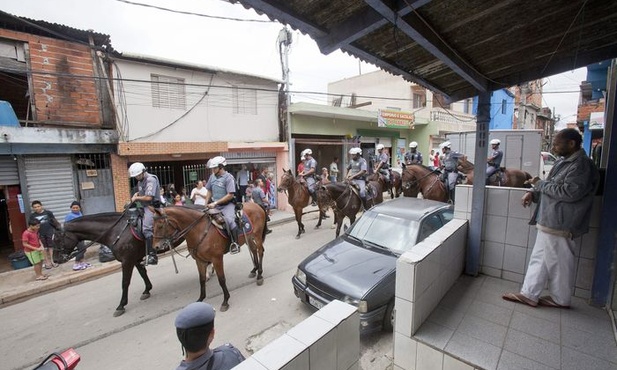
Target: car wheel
<point>388,319</point>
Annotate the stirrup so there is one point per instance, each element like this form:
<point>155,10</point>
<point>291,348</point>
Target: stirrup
<point>234,248</point>
<point>150,259</point>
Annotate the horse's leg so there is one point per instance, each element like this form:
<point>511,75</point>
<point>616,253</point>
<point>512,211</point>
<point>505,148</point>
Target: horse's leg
<point>259,246</point>
<point>298,213</point>
<point>127,272</point>
<point>220,273</point>
<point>252,250</point>
<point>321,214</point>
<point>201,268</point>
<point>144,275</point>
<point>338,219</point>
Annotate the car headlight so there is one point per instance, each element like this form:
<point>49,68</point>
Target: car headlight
<point>301,276</point>
<point>362,305</point>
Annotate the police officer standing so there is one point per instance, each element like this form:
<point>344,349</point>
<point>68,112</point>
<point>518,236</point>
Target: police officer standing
<point>147,193</point>
<point>413,156</point>
<point>221,188</point>
<point>195,330</point>
<point>356,172</point>
<point>493,162</point>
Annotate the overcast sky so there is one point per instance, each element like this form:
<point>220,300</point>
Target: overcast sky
<point>242,46</point>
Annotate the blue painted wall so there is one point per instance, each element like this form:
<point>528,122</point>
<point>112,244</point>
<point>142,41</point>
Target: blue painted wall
<point>502,109</point>
<point>596,76</point>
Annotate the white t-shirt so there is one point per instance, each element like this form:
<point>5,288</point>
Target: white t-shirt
<point>196,198</point>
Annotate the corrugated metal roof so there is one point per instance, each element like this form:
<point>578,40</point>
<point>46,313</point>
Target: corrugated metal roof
<point>456,47</point>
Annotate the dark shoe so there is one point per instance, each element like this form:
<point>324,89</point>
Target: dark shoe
<point>314,204</point>
<point>268,231</point>
<point>151,259</point>
<point>326,216</point>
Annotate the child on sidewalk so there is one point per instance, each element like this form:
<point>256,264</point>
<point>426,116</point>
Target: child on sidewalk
<point>33,248</point>
<point>48,224</point>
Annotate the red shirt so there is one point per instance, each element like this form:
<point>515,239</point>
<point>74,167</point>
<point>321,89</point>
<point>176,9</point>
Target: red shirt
<point>30,237</point>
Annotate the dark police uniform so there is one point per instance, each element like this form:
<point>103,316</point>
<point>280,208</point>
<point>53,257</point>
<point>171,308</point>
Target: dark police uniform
<point>224,357</point>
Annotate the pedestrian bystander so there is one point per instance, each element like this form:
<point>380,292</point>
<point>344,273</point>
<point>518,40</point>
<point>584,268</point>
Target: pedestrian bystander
<point>33,248</point>
<point>46,232</point>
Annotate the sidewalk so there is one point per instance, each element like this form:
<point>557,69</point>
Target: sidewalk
<point>18,285</point>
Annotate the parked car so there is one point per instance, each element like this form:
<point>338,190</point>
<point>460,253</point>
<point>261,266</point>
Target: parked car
<point>547,160</point>
<point>359,267</point>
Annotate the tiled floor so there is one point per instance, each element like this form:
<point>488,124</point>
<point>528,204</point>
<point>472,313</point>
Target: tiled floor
<point>475,324</point>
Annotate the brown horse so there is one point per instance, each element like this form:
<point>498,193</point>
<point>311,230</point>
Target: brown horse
<point>298,197</point>
<point>510,177</point>
<point>345,200</point>
<point>206,243</point>
<point>393,187</point>
<point>113,230</point>
<point>417,178</point>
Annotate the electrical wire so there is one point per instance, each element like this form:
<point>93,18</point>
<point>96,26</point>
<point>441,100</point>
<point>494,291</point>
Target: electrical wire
<point>196,14</point>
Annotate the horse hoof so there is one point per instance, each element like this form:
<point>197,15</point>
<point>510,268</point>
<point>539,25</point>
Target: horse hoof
<point>260,281</point>
<point>224,307</point>
<point>252,275</point>
<point>119,312</point>
<point>144,296</point>
<point>297,236</point>
<point>316,227</point>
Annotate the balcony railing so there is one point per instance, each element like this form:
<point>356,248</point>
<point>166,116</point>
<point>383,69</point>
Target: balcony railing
<point>453,121</point>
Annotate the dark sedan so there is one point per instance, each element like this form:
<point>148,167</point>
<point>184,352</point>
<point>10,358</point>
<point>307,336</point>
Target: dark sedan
<point>359,267</point>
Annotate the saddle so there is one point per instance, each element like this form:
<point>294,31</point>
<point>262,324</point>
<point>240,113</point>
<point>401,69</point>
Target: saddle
<point>244,223</point>
<point>136,221</point>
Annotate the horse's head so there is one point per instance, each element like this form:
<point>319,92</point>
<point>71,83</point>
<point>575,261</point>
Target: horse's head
<point>287,180</point>
<point>162,229</point>
<point>410,180</point>
<point>65,244</point>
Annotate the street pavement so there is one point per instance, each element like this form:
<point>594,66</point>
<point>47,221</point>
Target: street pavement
<point>260,315</point>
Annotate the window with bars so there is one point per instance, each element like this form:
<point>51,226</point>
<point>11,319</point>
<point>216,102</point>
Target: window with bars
<point>244,101</point>
<point>168,92</point>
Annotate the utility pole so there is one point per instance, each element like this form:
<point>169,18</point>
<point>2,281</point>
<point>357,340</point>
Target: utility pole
<point>522,107</point>
<point>284,42</point>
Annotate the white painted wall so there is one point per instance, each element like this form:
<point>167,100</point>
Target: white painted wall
<point>212,119</point>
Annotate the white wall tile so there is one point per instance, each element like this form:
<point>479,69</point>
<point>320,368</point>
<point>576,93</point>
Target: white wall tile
<point>496,201</point>
<point>354,366</point>
<point>403,316</point>
<point>427,272</point>
<point>310,330</point>
<point>301,362</point>
<point>428,358</point>
<point>462,199</point>
<point>517,232</point>
<point>584,275</point>
<point>495,228</point>
<point>513,276</point>
<point>582,293</point>
<point>405,276</point>
<point>323,353</point>
<point>515,207</point>
<point>514,258</point>
<point>348,342</point>
<point>492,255</point>
<point>250,364</point>
<point>280,352</point>
<point>490,271</point>
<point>404,351</point>
<point>451,363</point>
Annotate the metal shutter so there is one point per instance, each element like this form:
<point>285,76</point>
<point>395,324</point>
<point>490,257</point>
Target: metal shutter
<point>50,180</point>
<point>9,174</point>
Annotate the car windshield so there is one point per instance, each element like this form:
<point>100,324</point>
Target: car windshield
<point>394,233</point>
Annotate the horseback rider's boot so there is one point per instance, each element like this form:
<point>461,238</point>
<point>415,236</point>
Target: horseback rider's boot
<point>234,247</point>
<point>151,257</point>
<point>451,195</point>
<point>314,199</point>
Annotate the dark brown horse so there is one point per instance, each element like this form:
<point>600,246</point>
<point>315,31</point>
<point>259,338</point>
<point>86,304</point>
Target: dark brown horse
<point>393,187</point>
<point>510,177</point>
<point>206,243</point>
<point>419,179</point>
<point>111,229</point>
<point>298,197</point>
<point>345,201</point>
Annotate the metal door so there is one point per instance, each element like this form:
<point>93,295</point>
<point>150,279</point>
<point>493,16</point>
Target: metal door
<point>95,183</point>
<point>50,180</point>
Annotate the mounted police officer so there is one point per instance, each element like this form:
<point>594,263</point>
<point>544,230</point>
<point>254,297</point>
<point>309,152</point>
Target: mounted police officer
<point>450,163</point>
<point>221,195</point>
<point>356,172</point>
<point>413,156</point>
<point>147,194</point>
<point>493,162</point>
<point>308,173</point>
<point>383,163</point>
<point>195,331</point>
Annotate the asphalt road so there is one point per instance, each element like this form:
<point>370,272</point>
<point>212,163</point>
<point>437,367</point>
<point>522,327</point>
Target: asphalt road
<point>80,316</point>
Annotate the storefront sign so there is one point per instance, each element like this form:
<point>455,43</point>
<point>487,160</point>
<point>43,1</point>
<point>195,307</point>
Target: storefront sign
<point>395,119</point>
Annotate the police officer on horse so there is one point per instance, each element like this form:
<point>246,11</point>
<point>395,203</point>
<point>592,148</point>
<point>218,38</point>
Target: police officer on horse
<point>450,163</point>
<point>147,194</point>
<point>383,163</point>
<point>308,173</point>
<point>493,162</point>
<point>356,172</point>
<point>413,156</point>
<point>222,192</point>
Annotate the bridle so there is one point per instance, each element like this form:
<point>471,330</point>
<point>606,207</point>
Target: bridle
<point>76,251</point>
<point>176,234</point>
<point>416,182</point>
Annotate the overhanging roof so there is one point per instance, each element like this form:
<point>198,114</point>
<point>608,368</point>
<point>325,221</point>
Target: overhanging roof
<point>458,48</point>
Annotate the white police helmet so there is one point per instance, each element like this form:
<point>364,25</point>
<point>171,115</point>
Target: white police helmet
<point>355,150</point>
<point>446,144</point>
<point>379,147</point>
<point>495,142</point>
<point>413,144</point>
<point>216,161</point>
<point>306,152</point>
<point>136,169</point>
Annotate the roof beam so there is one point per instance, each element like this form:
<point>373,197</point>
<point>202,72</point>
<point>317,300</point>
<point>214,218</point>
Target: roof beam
<point>392,68</point>
<point>360,25</point>
<point>284,14</point>
<point>418,31</point>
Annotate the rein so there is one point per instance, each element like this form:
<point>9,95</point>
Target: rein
<point>75,251</point>
<point>417,181</point>
<point>179,234</point>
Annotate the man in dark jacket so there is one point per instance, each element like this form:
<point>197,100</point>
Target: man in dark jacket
<point>564,206</point>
